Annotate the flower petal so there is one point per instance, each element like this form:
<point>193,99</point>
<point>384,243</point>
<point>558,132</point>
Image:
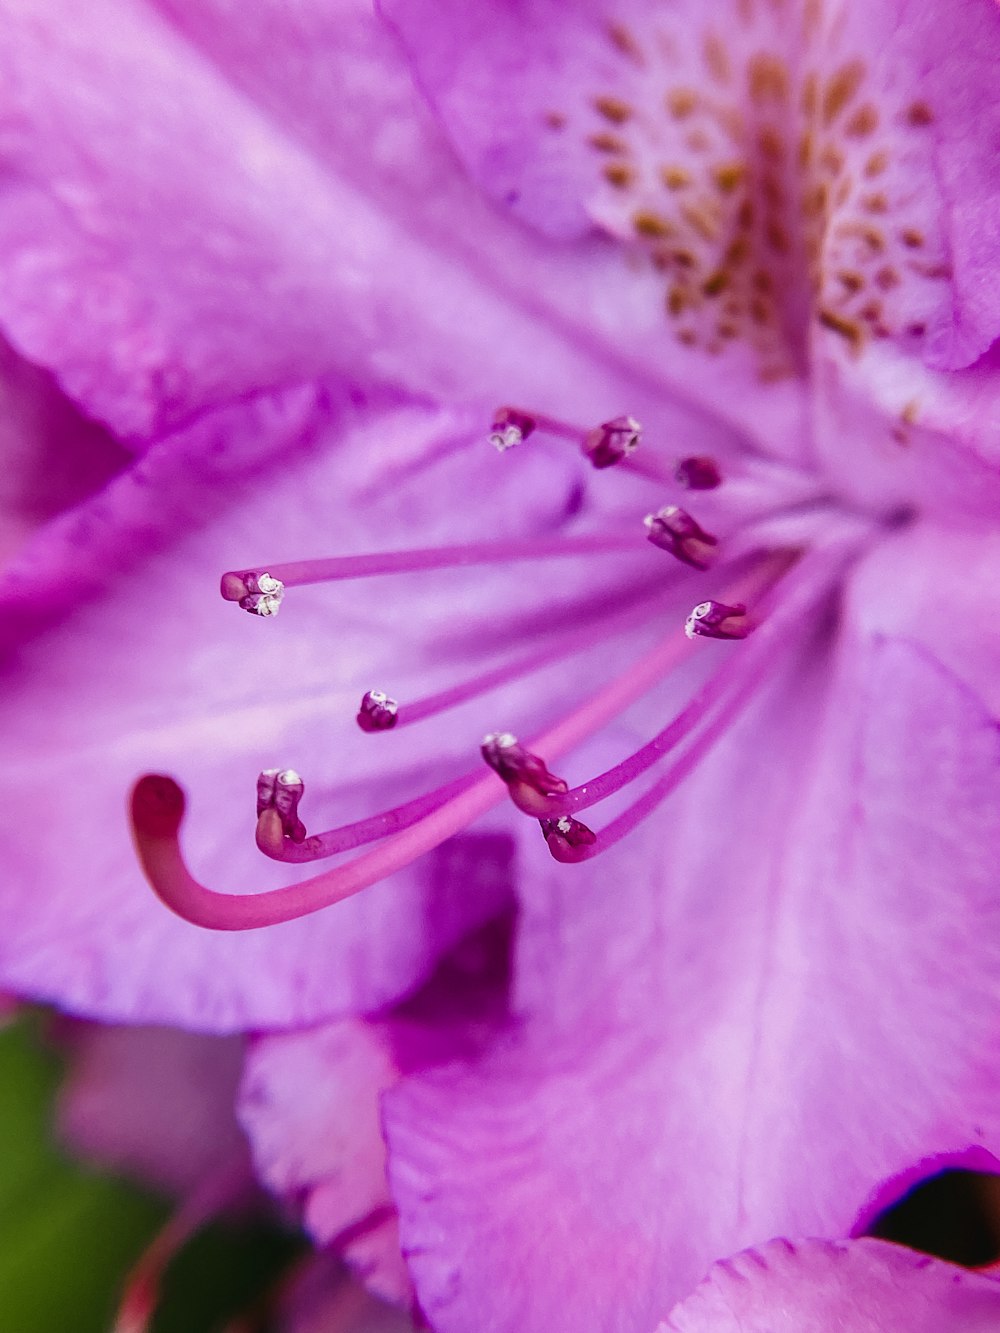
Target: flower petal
<point>748,1020</point>
<point>860,1286</point>
<point>157,1103</point>
<point>169,244</point>
<point>148,669</point>
<point>311,1101</point>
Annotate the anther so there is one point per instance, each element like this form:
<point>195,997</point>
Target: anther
<point>565,836</point>
<point>612,442</point>
<point>699,473</point>
<point>716,620</point>
<point>517,766</point>
<point>280,789</point>
<point>511,427</point>
<point>674,530</point>
<point>255,590</point>
<point>377,712</point>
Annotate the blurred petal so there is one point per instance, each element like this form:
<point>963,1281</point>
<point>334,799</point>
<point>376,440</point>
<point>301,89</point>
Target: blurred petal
<point>860,1286</point>
<point>154,1103</point>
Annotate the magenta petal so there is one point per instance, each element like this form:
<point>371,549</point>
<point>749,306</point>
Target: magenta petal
<point>204,691</point>
<point>815,1286</point>
<point>761,1011</point>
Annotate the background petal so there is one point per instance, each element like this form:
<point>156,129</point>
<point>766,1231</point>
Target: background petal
<point>861,1286</point>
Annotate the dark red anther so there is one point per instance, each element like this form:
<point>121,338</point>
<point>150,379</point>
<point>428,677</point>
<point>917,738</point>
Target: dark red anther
<point>699,473</point>
<point>716,620</point>
<point>507,757</point>
<point>281,789</point>
<point>674,530</point>
<point>612,442</point>
<point>377,712</point>
<point>565,836</point>
<point>510,427</point>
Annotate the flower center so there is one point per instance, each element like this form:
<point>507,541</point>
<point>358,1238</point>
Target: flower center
<point>779,555</point>
<point>768,175</point>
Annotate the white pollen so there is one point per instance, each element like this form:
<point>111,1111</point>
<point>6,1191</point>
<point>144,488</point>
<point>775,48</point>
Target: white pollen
<point>506,437</point>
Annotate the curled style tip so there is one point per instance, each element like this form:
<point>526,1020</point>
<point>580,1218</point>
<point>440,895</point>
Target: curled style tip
<point>157,806</point>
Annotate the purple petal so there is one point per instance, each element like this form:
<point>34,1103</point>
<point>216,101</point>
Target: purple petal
<point>754,1018</point>
<point>860,1286</point>
<point>153,670</point>
<point>311,1101</point>
<point>175,235</point>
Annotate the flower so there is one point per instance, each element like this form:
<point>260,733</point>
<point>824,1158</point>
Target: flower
<point>763,1006</point>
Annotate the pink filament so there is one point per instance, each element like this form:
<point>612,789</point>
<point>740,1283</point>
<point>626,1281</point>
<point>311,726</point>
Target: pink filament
<point>810,583</point>
<point>300,572</point>
<point>744,668</point>
<point>157,808</point>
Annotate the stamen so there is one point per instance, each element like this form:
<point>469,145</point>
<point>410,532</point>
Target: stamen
<point>605,445</point>
<point>272,842</point>
<point>256,591</point>
<point>235,584</point>
<point>280,789</point>
<point>511,428</point>
<point>565,830</point>
<point>612,442</point>
<point>377,712</point>
<point>157,811</point>
<point>674,530</point>
<point>808,584</point>
<point>716,620</point>
<point>698,473</point>
<point>517,766</point>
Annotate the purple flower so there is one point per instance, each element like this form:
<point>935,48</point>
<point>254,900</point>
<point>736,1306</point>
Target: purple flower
<point>766,1003</point>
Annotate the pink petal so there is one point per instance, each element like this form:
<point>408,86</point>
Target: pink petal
<point>756,1017</point>
<point>199,689</point>
<point>156,1103</point>
<point>862,146</point>
<point>52,456</point>
<point>175,236</point>
<point>311,1102</point>
<point>861,1286</point>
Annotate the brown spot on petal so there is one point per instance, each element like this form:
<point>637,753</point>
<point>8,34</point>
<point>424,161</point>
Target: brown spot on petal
<point>919,114</point>
<point>840,89</point>
<point>606,142</point>
<point>681,102</point>
<point>716,283</point>
<point>623,40</point>
<point>728,175</point>
<point>877,163</point>
<point>653,225</point>
<point>887,278</point>
<point>675,178</point>
<point>767,78</point>
<point>863,122</point>
<point>717,59</point>
<point>555,120</point>
<point>846,328</point>
<point>875,203</point>
<point>619,174</point>
<point>911,238</point>
<point>852,282</point>
<point>614,109</point>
